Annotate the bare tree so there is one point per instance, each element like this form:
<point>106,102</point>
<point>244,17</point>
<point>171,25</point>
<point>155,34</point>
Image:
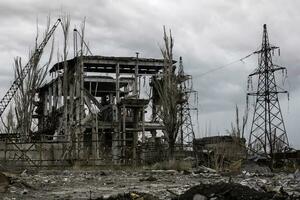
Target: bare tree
<point>9,125</point>
<point>236,129</point>
<point>237,133</point>
<point>219,154</point>
<point>169,95</point>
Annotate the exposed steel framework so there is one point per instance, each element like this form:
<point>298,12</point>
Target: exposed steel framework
<point>268,134</point>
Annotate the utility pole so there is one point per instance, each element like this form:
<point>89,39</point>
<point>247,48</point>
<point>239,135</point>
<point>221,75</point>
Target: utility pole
<point>268,133</point>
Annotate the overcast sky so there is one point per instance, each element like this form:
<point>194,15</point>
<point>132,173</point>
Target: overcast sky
<point>208,34</point>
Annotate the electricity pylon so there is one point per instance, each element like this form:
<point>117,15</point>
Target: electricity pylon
<point>268,133</point>
<point>186,131</point>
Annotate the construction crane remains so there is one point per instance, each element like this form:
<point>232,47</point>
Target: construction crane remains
<point>34,60</point>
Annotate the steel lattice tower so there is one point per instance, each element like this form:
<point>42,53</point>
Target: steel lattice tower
<point>268,133</point>
<point>186,131</point>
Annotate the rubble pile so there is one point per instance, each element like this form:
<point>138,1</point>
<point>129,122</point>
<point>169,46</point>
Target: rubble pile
<point>277,182</point>
<point>199,183</point>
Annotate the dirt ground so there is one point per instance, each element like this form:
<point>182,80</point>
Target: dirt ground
<point>162,184</point>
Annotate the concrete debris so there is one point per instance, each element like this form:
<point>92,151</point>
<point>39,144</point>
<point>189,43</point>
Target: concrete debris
<point>253,169</point>
<point>189,159</point>
<point>130,196</point>
<point>199,197</point>
<point>150,179</point>
<point>170,171</point>
<point>24,173</point>
<point>25,191</point>
<point>203,169</point>
<point>297,174</point>
<point>4,182</point>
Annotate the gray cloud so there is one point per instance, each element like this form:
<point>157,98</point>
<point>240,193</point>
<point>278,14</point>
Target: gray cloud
<point>208,34</point>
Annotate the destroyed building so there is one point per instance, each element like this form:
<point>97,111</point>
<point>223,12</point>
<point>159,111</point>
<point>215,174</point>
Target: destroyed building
<point>94,112</point>
<point>106,115</point>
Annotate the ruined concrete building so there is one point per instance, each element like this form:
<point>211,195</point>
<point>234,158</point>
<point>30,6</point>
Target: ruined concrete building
<point>104,119</point>
<point>91,112</point>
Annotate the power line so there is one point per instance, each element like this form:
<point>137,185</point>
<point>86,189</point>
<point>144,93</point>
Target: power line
<point>223,66</point>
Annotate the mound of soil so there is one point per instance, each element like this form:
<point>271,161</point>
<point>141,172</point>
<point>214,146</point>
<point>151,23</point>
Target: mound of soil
<point>228,191</point>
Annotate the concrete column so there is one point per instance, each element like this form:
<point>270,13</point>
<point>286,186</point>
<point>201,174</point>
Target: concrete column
<point>135,134</point>
<point>45,99</point>
<point>124,130</point>
<point>136,74</point>
<point>55,83</point>
<point>118,82</point>
<point>50,91</point>
<point>115,146</point>
<point>143,124</point>
<point>59,92</point>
